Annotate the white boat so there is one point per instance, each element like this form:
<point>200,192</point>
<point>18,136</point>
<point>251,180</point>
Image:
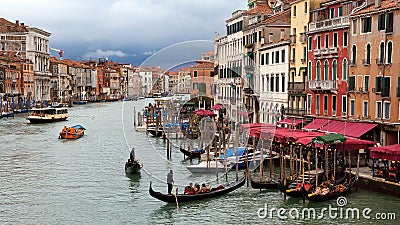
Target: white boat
<point>47,115</point>
<point>208,167</point>
<point>142,128</point>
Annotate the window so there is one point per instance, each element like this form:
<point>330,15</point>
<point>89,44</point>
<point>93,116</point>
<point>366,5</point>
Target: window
<point>366,83</point>
<point>385,22</point>
<point>389,52</point>
<point>283,55</point>
<point>366,24</point>
<point>195,73</point>
<point>340,11</point>
<point>317,104</point>
<point>385,87</point>
<point>310,70</point>
<point>365,109</point>
<point>344,105</point>
<point>319,42</point>
<point>262,59</point>
<point>325,104</point>
<point>309,103</point>
<point>294,11</point>
<point>378,84</point>
<point>277,83</point>
<point>277,57</point>
<point>326,70</point>
<point>354,25</point>
<point>267,59</point>
<point>309,43</point>
<point>305,7</point>
<point>352,107</point>
<point>195,86</point>
<point>354,54</point>
<point>345,38</point>
<point>293,54</point>
<point>272,84</point>
<point>335,40</point>
<point>327,41</point>
<point>378,110</point>
<point>334,105</point>
<point>283,82</point>
<point>344,69</point>
<point>381,53</point>
<point>318,70</point>
<point>272,58</point>
<point>332,13</point>
<point>368,54</point>
<point>334,70</point>
<point>352,83</point>
<point>304,54</point>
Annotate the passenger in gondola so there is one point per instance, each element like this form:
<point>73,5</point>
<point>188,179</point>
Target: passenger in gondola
<point>189,190</point>
<point>203,188</point>
<point>196,188</point>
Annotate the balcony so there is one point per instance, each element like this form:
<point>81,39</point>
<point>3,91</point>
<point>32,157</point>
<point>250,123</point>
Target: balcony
<point>379,61</point>
<point>292,39</point>
<point>322,85</point>
<point>296,86</point>
<point>329,24</point>
<point>303,38</point>
<point>366,62</point>
<point>297,112</point>
<point>325,51</point>
<point>317,52</point>
<point>333,50</point>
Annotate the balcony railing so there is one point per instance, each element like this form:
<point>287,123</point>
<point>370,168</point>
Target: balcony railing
<point>292,39</point>
<point>296,86</point>
<point>292,111</point>
<point>303,37</point>
<point>379,61</point>
<point>329,23</point>
<point>317,52</point>
<point>366,62</point>
<point>333,50</point>
<point>323,85</point>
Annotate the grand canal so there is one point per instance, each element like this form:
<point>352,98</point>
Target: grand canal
<point>45,180</point>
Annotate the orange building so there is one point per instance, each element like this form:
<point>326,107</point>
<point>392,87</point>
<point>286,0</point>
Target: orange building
<point>202,79</point>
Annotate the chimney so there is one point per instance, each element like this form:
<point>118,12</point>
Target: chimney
<point>378,3</point>
<point>23,24</point>
<point>17,23</point>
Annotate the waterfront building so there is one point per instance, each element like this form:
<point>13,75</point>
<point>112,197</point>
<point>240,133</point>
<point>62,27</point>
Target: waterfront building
<point>33,44</point>
<point>183,86</point>
<point>373,81</point>
<point>59,82</point>
<point>327,52</point>
<point>300,17</point>
<point>172,82</point>
<point>273,64</point>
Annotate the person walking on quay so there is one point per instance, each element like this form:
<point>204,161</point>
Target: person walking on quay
<point>170,181</point>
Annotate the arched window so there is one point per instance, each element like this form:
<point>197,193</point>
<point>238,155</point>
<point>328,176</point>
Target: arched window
<point>354,54</point>
<point>334,70</point>
<point>326,70</point>
<point>389,51</point>
<point>368,54</point>
<point>309,70</point>
<point>344,69</point>
<point>1,87</point>
<point>318,70</point>
<point>381,53</point>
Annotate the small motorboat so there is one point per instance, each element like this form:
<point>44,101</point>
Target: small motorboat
<point>7,114</point>
<point>132,166</point>
<point>209,167</point>
<point>73,132</point>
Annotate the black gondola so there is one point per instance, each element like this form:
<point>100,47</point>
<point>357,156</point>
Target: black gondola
<point>332,194</point>
<point>156,133</point>
<point>290,190</point>
<point>215,192</point>
<point>191,154</point>
<point>264,184</point>
<point>132,167</point>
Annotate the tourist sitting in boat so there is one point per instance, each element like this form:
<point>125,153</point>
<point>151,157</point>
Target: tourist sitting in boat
<point>65,129</point>
<point>204,188</point>
<point>196,188</point>
<point>189,190</point>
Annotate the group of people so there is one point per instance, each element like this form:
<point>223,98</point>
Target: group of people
<point>68,130</point>
<point>191,190</point>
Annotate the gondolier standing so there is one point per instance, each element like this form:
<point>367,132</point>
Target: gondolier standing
<point>170,181</point>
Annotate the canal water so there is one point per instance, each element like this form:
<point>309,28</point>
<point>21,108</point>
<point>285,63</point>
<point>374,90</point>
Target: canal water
<point>45,180</point>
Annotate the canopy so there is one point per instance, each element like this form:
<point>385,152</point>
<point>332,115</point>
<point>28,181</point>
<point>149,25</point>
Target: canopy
<point>217,107</point>
<point>329,139</point>
<point>78,126</point>
<point>202,112</point>
<point>316,124</point>
<point>350,129</point>
<point>391,152</point>
<point>291,121</point>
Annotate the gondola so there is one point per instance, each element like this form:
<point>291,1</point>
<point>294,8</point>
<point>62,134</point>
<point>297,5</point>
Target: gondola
<point>215,192</point>
<point>156,133</point>
<point>191,154</point>
<point>342,189</point>
<point>132,167</point>
<point>290,190</point>
<point>264,184</point>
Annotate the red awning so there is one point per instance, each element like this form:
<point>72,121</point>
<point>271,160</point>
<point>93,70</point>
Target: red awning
<point>316,124</point>
<point>349,129</point>
<point>202,112</point>
<point>217,107</point>
<point>244,113</point>
<point>291,121</point>
<point>355,144</point>
<point>391,152</point>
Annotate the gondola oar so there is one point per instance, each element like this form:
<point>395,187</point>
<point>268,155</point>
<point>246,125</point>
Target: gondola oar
<point>176,199</point>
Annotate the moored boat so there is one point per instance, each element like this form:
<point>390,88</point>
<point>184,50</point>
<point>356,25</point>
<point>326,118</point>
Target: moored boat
<point>209,167</point>
<point>329,191</point>
<point>192,154</point>
<point>215,192</point>
<point>73,132</point>
<point>47,115</point>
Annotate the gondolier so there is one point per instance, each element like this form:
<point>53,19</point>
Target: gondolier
<point>132,155</point>
<point>170,181</point>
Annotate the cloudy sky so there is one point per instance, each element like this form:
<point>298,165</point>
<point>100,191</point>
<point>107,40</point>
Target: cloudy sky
<point>126,31</point>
